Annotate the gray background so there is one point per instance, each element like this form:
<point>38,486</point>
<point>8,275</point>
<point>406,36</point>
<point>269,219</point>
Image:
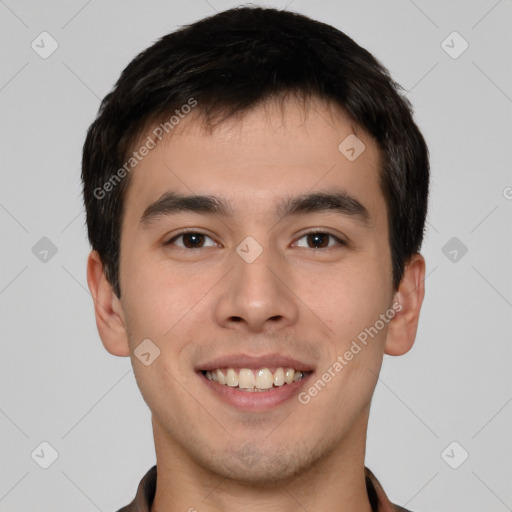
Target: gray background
<point>59,385</point>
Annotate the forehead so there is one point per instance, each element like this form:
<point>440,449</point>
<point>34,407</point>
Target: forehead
<point>255,159</point>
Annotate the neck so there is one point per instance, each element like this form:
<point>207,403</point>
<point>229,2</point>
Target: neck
<point>332,482</point>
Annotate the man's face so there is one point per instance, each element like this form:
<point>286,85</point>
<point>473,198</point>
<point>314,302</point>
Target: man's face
<point>322,277</point>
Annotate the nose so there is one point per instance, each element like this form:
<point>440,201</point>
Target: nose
<point>257,296</point>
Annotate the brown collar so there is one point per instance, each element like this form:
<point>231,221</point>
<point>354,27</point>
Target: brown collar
<point>147,488</point>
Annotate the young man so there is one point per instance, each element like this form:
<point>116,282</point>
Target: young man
<point>256,192</point>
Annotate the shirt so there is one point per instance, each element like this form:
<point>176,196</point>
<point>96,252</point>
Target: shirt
<point>147,488</point>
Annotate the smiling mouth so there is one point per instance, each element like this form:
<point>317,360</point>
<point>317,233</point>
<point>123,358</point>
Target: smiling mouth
<point>255,380</point>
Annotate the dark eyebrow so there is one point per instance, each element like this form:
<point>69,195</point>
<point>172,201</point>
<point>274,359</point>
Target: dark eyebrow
<point>171,203</point>
<point>336,201</point>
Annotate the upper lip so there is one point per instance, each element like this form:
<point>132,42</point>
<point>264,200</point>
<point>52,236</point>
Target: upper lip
<point>255,362</point>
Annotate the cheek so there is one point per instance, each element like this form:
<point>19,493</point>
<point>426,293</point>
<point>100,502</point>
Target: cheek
<point>163,299</point>
<point>350,298</point>
<point>352,307</point>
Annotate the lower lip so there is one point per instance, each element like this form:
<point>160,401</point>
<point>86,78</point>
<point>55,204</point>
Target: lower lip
<point>256,400</point>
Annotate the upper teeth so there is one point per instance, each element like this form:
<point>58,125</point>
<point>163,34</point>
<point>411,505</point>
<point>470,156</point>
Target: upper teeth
<point>259,379</point>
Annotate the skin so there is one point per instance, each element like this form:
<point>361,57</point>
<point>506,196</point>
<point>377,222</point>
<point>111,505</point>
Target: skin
<point>302,301</point>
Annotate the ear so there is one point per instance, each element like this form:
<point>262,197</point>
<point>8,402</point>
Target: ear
<point>407,304</point>
<point>107,308</point>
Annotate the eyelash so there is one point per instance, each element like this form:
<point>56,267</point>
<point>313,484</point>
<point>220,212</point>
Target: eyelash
<point>316,232</point>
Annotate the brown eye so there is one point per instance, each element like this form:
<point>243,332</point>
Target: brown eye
<point>190,240</point>
<point>319,240</point>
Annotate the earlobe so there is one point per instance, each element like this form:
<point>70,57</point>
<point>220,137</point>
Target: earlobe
<point>107,308</point>
<point>407,304</point>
